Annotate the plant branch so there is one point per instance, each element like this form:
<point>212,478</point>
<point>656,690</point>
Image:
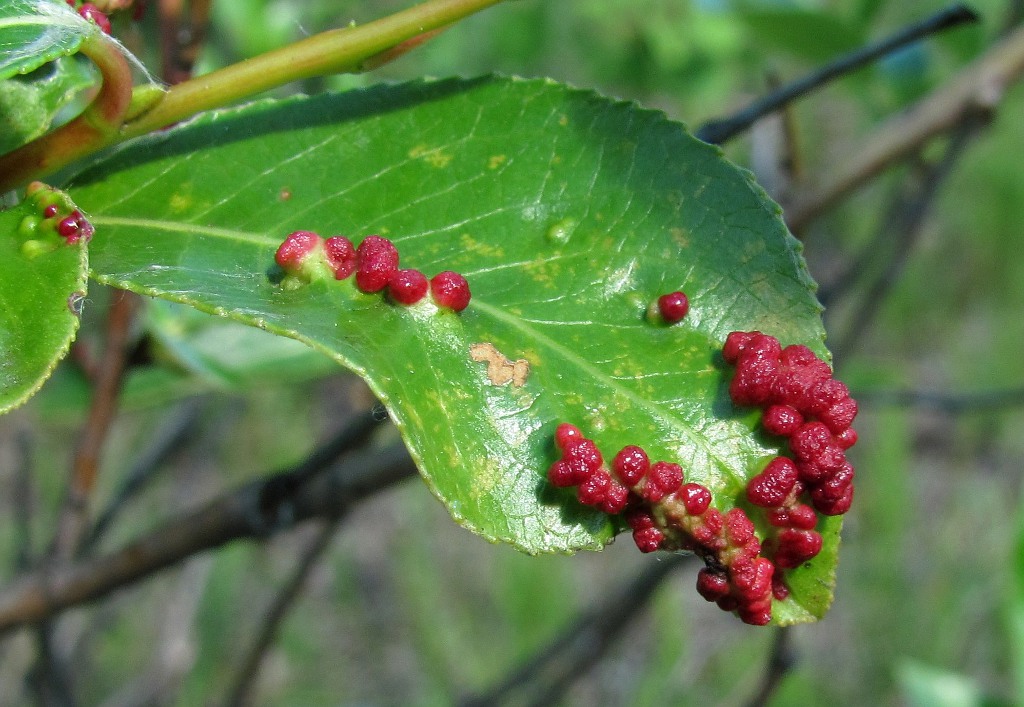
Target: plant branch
<point>977,88</point>
<point>906,223</point>
<point>780,663</point>
<point>544,678</point>
<point>349,49</point>
<point>719,131</point>
<point>252,663</point>
<point>72,524</point>
<point>340,50</point>
<point>241,513</point>
<point>174,432</point>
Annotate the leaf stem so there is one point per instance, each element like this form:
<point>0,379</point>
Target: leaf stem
<point>95,128</point>
<point>352,49</point>
<point>349,49</point>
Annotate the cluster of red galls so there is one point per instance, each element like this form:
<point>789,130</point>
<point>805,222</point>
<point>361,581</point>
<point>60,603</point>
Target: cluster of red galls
<point>803,403</point>
<point>71,226</point>
<point>375,265</point>
<point>666,513</point>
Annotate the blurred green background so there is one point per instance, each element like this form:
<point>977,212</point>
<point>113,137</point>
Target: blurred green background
<point>409,609</point>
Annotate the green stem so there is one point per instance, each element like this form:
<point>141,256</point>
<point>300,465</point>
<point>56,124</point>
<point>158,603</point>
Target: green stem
<point>104,123</point>
<point>95,128</point>
<point>350,49</point>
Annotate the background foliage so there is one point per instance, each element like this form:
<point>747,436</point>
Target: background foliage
<point>408,608</point>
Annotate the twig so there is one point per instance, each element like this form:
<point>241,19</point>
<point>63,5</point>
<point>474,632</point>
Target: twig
<point>242,513</point>
<point>551,671</point>
<point>719,131</point>
<point>167,439</point>
<point>245,682</point>
<point>72,524</point>
<point>946,402</point>
<point>906,226</point>
<point>780,662</point>
<point>977,88</point>
<point>24,500</point>
<point>49,678</point>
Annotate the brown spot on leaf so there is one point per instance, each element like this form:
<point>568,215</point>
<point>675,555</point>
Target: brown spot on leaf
<point>500,370</point>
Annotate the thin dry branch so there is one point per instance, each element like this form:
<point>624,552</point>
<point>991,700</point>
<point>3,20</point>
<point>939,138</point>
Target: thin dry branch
<point>719,131</point>
<point>545,677</point>
<point>72,525</point>
<point>780,662</point>
<point>255,510</point>
<point>978,88</point>
<point>245,681</point>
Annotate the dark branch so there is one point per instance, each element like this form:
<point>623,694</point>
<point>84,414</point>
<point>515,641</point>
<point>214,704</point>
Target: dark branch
<point>245,681</point>
<point>175,430</point>
<point>249,511</point>
<point>780,662</point>
<point>719,131</point>
<point>72,524</point>
<point>544,678</point>
<point>905,224</point>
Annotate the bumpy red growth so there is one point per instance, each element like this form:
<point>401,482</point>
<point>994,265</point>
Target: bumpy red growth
<point>673,306</point>
<point>75,228</point>
<point>407,286</point>
<point>297,246</point>
<point>665,513</point>
<point>377,260</point>
<point>802,403</point>
<point>341,256</point>
<point>450,289</point>
<point>91,12</point>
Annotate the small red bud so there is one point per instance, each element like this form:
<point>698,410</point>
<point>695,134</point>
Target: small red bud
<point>648,539</point>
<point>450,290</point>
<point>666,476</point>
<point>561,475</point>
<point>673,306</point>
<point>377,261</point>
<point>407,286</point>
<point>583,456</point>
<point>782,420</point>
<point>773,485</point>
<point>712,585</point>
<point>631,464</point>
<point>293,251</point>
<point>735,343</point>
<point>695,497</point>
<point>341,256</point>
<point>615,499</point>
<point>739,529</point>
<point>566,434</point>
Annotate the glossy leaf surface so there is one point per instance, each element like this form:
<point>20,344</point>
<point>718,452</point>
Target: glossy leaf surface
<point>568,213</point>
<point>34,32</point>
<point>40,292</point>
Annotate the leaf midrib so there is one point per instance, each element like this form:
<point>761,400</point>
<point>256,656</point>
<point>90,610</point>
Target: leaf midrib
<point>478,304</point>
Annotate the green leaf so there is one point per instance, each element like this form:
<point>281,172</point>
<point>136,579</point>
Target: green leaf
<point>34,32</point>
<point>42,281</point>
<point>30,105</point>
<point>567,212</point>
